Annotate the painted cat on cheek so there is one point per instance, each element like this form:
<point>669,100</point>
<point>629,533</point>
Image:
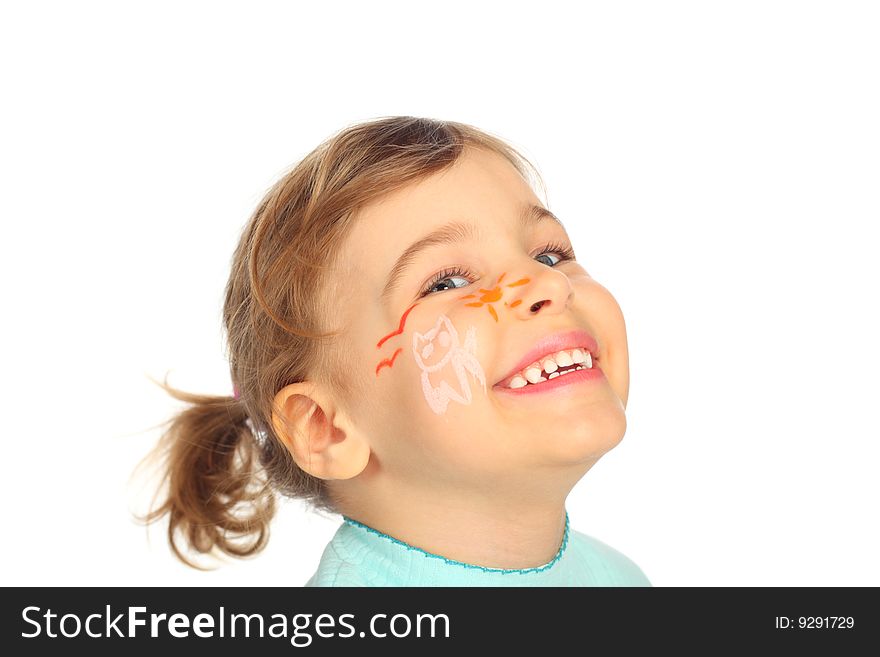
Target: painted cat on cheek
<point>439,351</point>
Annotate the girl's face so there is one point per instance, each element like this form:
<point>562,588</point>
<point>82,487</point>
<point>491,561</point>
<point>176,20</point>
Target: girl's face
<point>451,284</point>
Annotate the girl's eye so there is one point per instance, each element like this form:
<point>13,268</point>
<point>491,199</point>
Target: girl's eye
<point>442,277</point>
<point>563,253</point>
<point>542,255</point>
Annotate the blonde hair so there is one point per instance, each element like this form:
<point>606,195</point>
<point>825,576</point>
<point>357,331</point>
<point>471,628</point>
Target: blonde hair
<point>221,459</point>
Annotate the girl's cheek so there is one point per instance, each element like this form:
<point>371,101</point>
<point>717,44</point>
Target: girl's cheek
<point>446,357</point>
<point>447,361</point>
<point>390,346</point>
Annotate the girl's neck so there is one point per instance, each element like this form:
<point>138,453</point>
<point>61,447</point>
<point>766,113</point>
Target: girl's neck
<point>499,536</point>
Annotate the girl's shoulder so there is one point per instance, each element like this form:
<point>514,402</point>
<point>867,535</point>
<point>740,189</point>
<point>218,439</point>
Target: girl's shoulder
<point>610,566</point>
<point>335,569</point>
<point>341,574</point>
<point>348,561</point>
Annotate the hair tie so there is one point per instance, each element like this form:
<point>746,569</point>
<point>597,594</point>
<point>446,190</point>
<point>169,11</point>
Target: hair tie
<point>235,393</point>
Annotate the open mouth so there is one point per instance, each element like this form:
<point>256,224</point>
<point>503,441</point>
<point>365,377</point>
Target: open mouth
<point>551,366</point>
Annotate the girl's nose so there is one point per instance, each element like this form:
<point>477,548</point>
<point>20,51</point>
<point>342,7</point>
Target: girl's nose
<point>547,291</point>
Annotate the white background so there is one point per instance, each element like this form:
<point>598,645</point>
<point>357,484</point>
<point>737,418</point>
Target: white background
<point>716,164</point>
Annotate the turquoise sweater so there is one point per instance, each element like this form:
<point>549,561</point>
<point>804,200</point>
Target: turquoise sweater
<point>358,555</point>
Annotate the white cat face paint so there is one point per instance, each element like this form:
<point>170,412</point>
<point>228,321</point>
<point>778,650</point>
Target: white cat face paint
<point>439,352</point>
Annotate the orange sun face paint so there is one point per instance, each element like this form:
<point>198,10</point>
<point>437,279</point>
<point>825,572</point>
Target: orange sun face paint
<point>493,295</point>
<point>486,298</point>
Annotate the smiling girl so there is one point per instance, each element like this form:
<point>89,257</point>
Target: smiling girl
<point>415,348</point>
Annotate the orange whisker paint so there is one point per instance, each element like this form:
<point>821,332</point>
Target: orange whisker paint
<point>521,281</point>
<point>492,312</point>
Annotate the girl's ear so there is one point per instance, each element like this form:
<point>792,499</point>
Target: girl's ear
<point>317,432</point>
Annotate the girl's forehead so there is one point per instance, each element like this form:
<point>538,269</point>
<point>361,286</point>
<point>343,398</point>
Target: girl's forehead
<point>477,199</point>
<point>478,185</point>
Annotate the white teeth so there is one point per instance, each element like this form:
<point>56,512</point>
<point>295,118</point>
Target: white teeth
<point>551,365</point>
<point>533,375</point>
<point>518,382</point>
<point>563,359</point>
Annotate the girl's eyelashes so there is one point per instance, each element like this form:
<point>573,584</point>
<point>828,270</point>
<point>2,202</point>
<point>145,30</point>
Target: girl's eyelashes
<point>453,272</point>
<point>564,253</point>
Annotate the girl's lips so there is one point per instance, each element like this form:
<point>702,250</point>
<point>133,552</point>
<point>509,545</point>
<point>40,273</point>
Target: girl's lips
<point>550,344</point>
<point>576,376</point>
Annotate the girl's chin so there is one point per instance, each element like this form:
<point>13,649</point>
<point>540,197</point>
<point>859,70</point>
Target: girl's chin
<point>585,435</point>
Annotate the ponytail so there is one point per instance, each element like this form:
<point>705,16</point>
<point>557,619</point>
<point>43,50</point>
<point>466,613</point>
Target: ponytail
<point>217,494</point>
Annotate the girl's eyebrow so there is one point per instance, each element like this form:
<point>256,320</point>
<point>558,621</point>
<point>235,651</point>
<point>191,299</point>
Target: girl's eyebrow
<point>452,233</point>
